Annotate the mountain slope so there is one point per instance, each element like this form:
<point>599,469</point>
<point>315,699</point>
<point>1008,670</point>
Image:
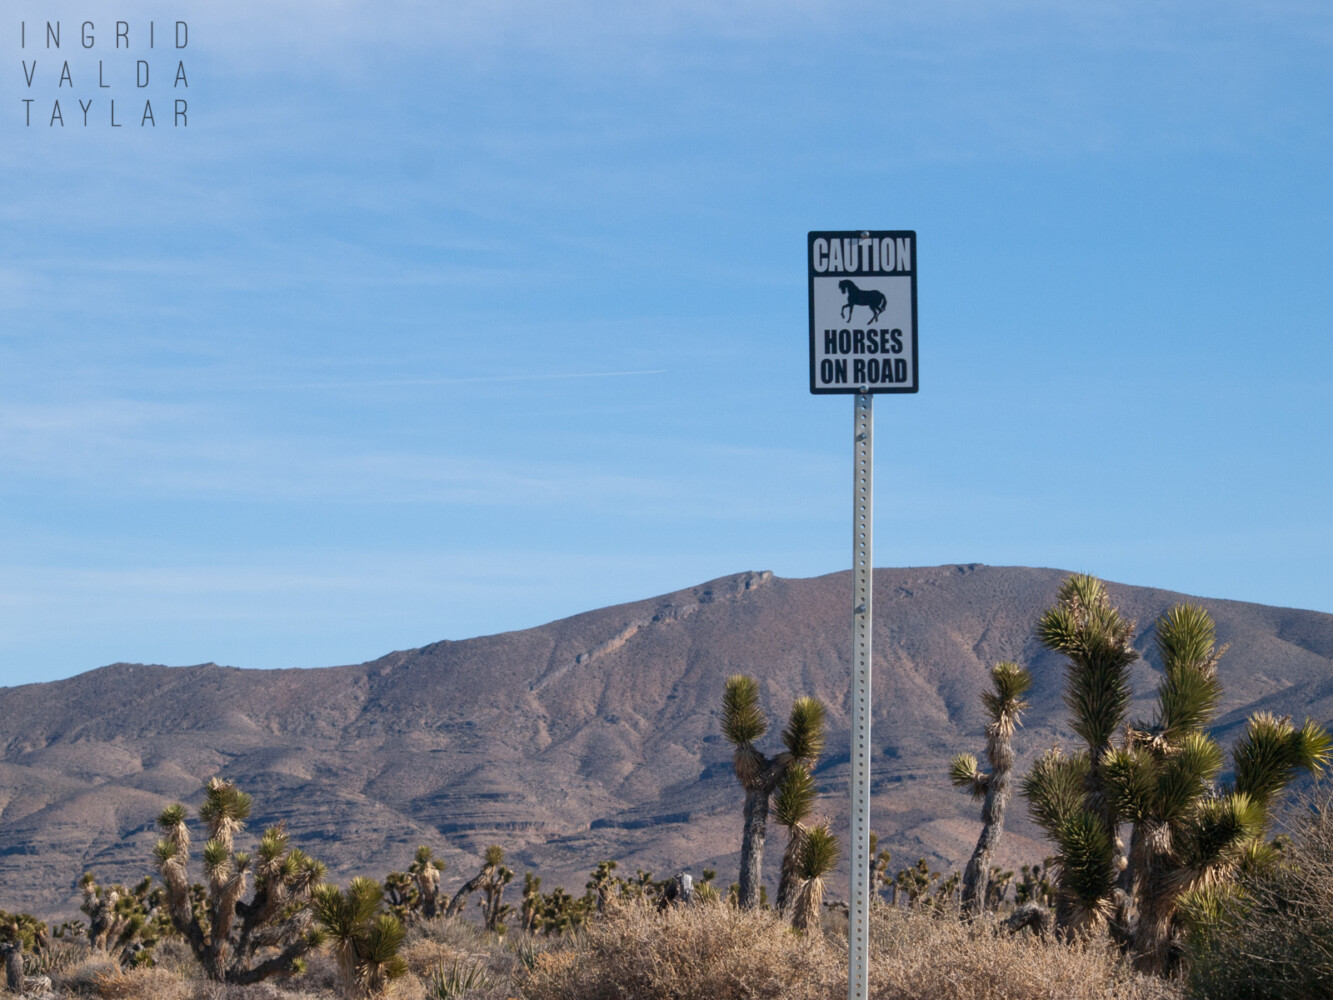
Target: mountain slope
<point>591,737</point>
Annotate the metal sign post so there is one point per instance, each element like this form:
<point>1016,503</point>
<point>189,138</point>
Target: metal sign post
<point>858,908</point>
<point>862,342</point>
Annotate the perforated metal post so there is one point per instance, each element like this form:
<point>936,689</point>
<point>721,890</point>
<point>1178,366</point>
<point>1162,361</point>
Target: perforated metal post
<point>858,913</point>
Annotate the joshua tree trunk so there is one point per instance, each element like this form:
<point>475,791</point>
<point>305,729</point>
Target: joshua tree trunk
<point>13,952</point>
<point>757,800</point>
<point>976,877</point>
<point>460,897</point>
<point>787,883</point>
<point>752,845</point>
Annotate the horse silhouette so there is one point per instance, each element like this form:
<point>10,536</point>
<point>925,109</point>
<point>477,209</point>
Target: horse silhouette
<point>871,298</point>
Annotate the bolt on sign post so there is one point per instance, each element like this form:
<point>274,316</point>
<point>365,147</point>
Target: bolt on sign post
<point>862,342</point>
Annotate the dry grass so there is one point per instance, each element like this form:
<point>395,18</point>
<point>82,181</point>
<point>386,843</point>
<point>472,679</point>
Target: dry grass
<point>140,984</point>
<point>708,952</point>
<point>718,953</point>
<point>693,953</point>
<point>916,956</point>
<point>178,976</point>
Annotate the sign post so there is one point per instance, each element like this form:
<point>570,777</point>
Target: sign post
<point>862,342</point>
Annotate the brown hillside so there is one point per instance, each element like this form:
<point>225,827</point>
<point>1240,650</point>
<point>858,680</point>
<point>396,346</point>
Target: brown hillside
<point>587,738</point>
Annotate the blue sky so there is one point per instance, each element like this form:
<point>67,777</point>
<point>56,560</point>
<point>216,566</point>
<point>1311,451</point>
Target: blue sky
<point>442,319</point>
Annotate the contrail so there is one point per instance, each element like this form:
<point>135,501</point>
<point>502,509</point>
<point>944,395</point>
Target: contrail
<point>477,378</point>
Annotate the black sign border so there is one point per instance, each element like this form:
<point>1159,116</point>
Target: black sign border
<point>846,234</point>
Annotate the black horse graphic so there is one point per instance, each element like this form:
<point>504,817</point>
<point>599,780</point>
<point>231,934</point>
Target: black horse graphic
<point>870,298</point>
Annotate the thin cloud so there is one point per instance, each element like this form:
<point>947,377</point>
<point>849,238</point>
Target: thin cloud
<point>369,383</point>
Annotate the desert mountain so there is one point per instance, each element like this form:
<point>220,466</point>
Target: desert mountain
<point>587,738</point>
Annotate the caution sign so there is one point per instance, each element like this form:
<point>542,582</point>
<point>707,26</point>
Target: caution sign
<point>863,311</point>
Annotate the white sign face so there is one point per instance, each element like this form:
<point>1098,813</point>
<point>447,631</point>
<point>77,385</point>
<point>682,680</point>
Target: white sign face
<point>863,311</point>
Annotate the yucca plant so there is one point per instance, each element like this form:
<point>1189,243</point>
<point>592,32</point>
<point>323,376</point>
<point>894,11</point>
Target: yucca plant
<point>743,723</point>
<point>1004,705</point>
<point>881,880</point>
<point>1097,639</point>
<point>459,981</point>
<point>1187,836</point>
<point>818,856</point>
<point>365,940</point>
<point>237,941</point>
<point>1034,886</point>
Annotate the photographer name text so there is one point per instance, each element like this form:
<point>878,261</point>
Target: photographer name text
<point>105,73</point>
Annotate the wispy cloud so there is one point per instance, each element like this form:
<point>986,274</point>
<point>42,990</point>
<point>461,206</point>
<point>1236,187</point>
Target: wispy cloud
<point>483,379</point>
<point>161,452</point>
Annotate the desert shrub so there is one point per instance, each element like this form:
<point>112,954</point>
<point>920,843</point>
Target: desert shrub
<point>711,952</point>
<point>139,983</point>
<point>81,979</point>
<point>916,956</point>
<point>175,955</point>
<point>721,953</point>
<point>57,958</point>
<point>433,948</point>
<point>1274,938</point>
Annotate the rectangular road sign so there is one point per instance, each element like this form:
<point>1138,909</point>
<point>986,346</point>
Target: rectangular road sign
<point>863,311</point>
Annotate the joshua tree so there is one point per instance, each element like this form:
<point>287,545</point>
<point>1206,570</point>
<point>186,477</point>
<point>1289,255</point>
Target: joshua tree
<point>562,913</point>
<point>17,932</point>
<point>492,862</point>
<point>915,883</point>
<point>426,870</point>
<point>532,903</point>
<point>365,939</point>
<point>743,722</point>
<point>493,908</point>
<point>401,896</point>
<point>603,882</point>
<point>124,922</point>
<point>1187,836</point>
<point>818,857</point>
<point>880,879</point>
<point>1003,705</point>
<point>276,923</point>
